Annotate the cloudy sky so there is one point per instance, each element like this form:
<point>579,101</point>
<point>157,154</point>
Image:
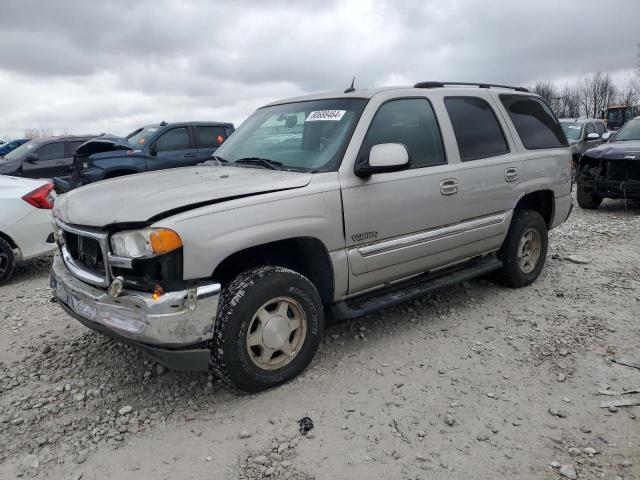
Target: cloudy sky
<point>81,67</point>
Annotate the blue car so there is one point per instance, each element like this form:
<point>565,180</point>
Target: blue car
<point>153,147</point>
<point>11,145</point>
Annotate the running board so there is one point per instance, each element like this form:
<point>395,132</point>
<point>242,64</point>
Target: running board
<point>412,289</point>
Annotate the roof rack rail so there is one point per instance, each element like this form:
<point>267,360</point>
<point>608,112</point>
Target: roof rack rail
<point>467,84</point>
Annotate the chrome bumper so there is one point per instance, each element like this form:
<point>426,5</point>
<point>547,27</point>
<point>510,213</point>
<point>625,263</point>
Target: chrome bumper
<point>175,320</point>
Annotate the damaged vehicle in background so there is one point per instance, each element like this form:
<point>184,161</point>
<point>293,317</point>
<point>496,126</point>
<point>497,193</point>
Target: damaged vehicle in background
<point>611,170</point>
<point>153,147</point>
<point>583,134</point>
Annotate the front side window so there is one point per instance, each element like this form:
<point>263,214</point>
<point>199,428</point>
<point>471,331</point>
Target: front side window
<point>174,139</point>
<point>600,128</point>
<point>51,151</point>
<point>411,122</point>
<point>536,125</point>
<point>210,136</point>
<point>589,129</point>
<point>476,127</point>
<point>306,136</point>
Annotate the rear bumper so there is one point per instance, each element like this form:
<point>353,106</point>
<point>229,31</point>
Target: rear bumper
<point>173,329</point>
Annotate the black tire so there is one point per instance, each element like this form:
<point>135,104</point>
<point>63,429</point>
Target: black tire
<point>239,304</point>
<point>586,199</point>
<point>7,260</point>
<point>511,273</point>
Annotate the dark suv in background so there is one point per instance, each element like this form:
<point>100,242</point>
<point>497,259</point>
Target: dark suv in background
<point>153,147</point>
<point>42,157</point>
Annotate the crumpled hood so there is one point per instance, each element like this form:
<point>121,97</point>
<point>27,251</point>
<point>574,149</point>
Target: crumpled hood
<point>628,150</point>
<point>106,143</point>
<point>146,197</point>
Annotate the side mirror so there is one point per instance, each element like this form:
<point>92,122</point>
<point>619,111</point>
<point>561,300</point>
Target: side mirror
<point>31,158</point>
<point>384,157</point>
<point>593,136</point>
<point>606,136</point>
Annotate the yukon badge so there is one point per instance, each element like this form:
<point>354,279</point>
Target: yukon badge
<point>364,236</point>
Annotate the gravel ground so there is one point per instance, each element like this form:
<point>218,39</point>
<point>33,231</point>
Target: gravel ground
<point>478,382</point>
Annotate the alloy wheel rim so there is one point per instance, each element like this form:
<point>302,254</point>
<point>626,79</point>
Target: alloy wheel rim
<point>276,333</point>
<point>529,250</point>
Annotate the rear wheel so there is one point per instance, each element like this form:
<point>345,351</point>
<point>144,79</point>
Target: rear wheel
<point>268,329</point>
<point>587,199</point>
<point>524,250</point>
<point>7,260</point>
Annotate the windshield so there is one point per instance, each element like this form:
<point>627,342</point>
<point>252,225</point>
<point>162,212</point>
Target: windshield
<point>630,131</point>
<point>139,137</point>
<point>303,136</point>
<point>573,131</point>
<point>21,151</point>
<point>615,115</point>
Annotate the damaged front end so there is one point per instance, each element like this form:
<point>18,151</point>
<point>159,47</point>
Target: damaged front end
<point>611,176</point>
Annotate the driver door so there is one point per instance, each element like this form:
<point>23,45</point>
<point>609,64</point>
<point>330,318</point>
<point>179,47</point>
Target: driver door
<point>50,158</point>
<point>174,148</point>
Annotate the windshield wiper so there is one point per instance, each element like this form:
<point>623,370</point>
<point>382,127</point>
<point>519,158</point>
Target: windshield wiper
<point>265,162</point>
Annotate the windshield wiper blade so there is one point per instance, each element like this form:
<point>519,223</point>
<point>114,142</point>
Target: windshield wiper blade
<point>271,164</point>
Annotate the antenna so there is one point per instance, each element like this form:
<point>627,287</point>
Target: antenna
<point>351,88</point>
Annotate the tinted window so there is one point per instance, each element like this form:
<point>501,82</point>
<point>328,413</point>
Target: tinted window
<point>51,151</point>
<point>477,130</point>
<point>535,123</point>
<point>174,139</point>
<point>600,128</point>
<point>73,146</point>
<point>589,129</point>
<point>412,123</point>
<point>210,136</point>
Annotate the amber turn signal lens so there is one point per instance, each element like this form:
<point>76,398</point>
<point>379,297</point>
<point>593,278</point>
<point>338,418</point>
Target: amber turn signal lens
<point>157,292</point>
<point>164,240</point>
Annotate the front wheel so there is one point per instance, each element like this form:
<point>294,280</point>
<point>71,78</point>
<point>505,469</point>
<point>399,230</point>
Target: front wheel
<point>269,326</point>
<point>524,250</point>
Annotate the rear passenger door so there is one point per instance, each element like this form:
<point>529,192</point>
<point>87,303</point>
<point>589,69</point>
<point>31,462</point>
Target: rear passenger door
<point>208,139</point>
<point>174,148</point>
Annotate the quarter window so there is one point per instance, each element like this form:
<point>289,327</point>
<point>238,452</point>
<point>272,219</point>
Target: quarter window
<point>210,136</point>
<point>411,122</point>
<point>535,123</point>
<point>51,151</point>
<point>476,127</point>
<point>174,139</point>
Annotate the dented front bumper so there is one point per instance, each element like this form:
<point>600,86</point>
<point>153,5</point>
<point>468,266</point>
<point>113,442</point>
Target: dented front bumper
<point>176,324</point>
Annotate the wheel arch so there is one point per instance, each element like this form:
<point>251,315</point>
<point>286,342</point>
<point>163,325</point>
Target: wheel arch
<point>541,201</point>
<point>305,255</point>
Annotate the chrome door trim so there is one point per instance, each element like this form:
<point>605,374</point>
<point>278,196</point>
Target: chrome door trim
<point>430,235</point>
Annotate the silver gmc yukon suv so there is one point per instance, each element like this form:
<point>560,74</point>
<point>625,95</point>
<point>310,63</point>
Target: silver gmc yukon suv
<point>337,204</point>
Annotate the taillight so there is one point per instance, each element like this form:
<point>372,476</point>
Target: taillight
<point>41,197</point>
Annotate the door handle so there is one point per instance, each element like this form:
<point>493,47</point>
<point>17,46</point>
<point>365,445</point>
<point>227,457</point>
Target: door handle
<point>510,174</point>
<point>449,186</point>
<point>189,155</point>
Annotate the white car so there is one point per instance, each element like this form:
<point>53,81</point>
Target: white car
<point>26,228</point>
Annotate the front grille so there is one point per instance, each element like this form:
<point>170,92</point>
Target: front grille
<point>86,253</point>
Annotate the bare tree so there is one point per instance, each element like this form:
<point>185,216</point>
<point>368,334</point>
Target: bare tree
<point>569,102</point>
<point>43,131</point>
<point>549,93</point>
<point>597,92</point>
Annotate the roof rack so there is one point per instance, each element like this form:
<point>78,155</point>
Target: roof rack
<point>467,84</point>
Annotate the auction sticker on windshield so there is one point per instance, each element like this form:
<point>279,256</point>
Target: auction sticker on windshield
<point>324,115</point>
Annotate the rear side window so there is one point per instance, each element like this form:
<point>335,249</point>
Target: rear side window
<point>51,151</point>
<point>174,139</point>
<point>411,122</point>
<point>210,136</point>
<point>535,123</point>
<point>600,128</point>
<point>477,130</point>
<point>589,129</point>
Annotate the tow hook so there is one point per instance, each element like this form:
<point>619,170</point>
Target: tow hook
<point>115,289</point>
